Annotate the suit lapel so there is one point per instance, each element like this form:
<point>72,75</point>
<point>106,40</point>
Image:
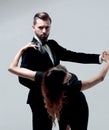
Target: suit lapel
<point>34,40</point>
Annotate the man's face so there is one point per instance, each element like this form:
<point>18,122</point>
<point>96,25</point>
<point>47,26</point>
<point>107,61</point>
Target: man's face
<point>42,29</point>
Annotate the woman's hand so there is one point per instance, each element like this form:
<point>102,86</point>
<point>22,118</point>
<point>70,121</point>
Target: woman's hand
<point>29,45</point>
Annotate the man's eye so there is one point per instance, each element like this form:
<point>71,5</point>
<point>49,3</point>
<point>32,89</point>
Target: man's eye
<point>47,28</point>
<point>40,28</point>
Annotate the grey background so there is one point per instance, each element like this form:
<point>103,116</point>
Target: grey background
<point>79,25</point>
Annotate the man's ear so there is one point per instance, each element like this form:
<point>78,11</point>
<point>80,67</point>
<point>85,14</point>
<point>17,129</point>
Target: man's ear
<point>33,27</point>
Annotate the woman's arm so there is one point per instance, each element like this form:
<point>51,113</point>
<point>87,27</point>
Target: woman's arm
<point>22,72</point>
<point>100,77</point>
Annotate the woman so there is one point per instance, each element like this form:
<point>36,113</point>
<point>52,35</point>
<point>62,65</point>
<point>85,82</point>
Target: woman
<point>61,89</point>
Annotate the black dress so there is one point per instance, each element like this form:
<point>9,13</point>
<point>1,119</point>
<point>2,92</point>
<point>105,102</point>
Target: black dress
<point>75,107</point>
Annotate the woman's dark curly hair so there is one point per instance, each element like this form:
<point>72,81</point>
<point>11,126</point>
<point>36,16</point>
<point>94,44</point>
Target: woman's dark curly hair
<point>53,90</point>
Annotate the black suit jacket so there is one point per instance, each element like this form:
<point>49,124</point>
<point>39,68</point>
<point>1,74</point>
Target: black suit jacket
<point>36,61</point>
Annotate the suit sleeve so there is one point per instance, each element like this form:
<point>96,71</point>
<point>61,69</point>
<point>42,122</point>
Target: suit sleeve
<point>78,57</point>
<point>28,62</point>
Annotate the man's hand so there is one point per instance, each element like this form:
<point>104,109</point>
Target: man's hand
<point>104,53</point>
<point>105,56</point>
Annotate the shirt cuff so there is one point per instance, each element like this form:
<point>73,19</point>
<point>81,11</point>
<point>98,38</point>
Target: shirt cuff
<point>100,59</point>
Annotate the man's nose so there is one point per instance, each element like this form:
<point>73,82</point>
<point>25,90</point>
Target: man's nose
<point>44,30</point>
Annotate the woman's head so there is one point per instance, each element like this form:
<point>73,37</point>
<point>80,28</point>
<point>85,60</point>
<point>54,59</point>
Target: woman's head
<point>54,83</point>
<point>53,90</point>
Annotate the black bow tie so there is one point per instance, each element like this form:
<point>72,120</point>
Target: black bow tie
<point>43,42</point>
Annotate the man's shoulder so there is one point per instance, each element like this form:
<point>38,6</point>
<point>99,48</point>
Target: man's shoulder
<point>52,42</point>
<point>29,51</point>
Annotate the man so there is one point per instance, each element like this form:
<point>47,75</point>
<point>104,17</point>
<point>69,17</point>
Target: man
<point>48,54</point>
